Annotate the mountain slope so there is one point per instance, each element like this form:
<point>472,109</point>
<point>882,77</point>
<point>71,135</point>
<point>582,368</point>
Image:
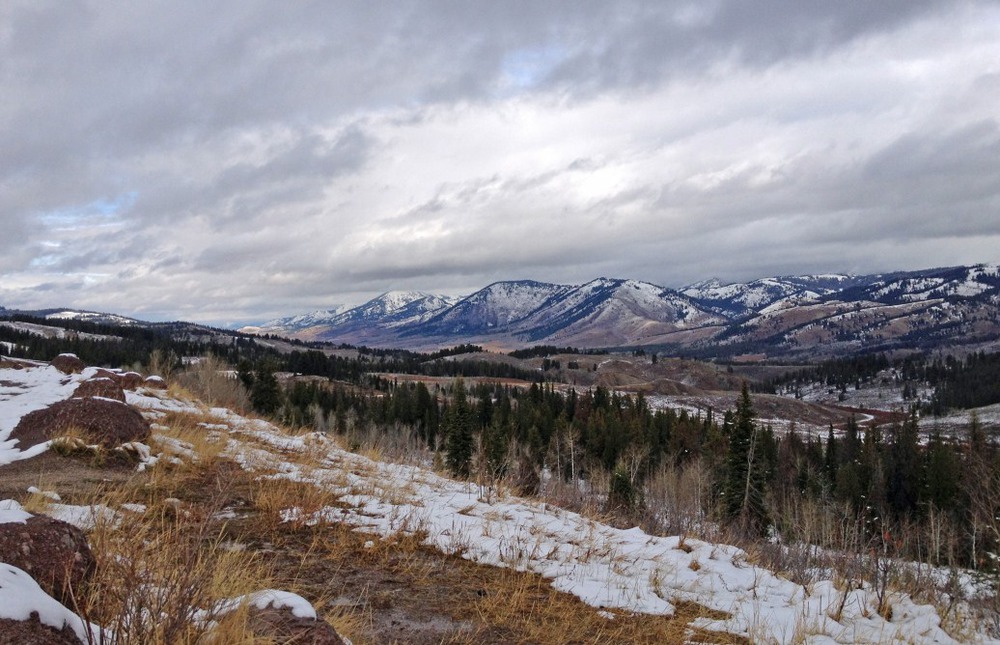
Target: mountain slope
<point>498,307</point>
<point>741,299</point>
<point>610,311</point>
<point>785,316</point>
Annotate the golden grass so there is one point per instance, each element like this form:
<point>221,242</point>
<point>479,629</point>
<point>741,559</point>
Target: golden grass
<point>183,554</point>
<point>273,497</point>
<point>37,503</point>
<point>197,432</point>
<point>73,444</point>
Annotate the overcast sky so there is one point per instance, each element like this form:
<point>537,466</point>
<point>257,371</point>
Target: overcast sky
<point>229,162</point>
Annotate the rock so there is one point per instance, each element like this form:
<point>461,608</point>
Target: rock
<point>30,616</point>
<point>100,372</point>
<point>33,632</point>
<point>155,383</point>
<point>101,421</point>
<point>130,380</point>
<point>282,626</point>
<point>55,554</point>
<point>102,387</point>
<point>68,363</point>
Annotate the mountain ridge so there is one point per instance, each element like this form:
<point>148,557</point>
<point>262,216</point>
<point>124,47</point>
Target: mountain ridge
<point>773,316</point>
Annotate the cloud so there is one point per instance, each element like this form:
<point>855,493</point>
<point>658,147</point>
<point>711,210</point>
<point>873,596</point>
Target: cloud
<point>245,160</point>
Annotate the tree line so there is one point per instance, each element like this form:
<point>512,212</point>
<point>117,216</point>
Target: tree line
<point>936,500</point>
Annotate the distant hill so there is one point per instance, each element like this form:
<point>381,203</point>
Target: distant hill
<point>785,316</point>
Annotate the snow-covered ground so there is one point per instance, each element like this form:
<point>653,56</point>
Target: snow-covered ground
<point>52,331</point>
<point>606,567</point>
<point>884,393</point>
<point>26,390</point>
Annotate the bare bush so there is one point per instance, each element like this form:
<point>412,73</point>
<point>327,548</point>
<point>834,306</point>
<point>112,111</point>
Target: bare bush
<point>215,383</point>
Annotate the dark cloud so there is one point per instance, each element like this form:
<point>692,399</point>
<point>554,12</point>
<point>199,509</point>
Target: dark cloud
<point>242,159</point>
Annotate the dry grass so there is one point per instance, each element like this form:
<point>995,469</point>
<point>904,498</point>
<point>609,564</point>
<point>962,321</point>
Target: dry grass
<point>72,443</point>
<point>37,503</point>
<point>213,531</point>
<point>211,381</point>
<point>283,503</point>
<point>397,589</point>
<point>161,576</point>
<point>190,434</point>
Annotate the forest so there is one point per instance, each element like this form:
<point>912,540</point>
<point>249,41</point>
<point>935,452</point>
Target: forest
<point>872,487</point>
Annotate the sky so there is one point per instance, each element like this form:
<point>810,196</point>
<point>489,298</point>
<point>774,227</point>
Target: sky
<point>236,161</point>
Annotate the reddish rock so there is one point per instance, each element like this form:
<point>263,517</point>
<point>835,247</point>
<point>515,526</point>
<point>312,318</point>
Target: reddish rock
<point>101,421</point>
<point>155,383</point>
<point>130,380</point>
<point>282,626</point>
<point>68,363</point>
<point>33,632</point>
<point>100,372</point>
<point>55,554</point>
<point>102,387</point>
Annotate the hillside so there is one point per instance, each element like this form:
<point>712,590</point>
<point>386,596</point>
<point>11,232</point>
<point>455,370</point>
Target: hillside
<point>789,317</point>
<point>395,552</point>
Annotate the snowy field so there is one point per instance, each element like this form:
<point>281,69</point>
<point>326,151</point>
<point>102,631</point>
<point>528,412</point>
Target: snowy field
<point>606,567</point>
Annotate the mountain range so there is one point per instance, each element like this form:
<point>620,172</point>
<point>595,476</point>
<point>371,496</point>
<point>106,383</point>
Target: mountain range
<point>786,316</point>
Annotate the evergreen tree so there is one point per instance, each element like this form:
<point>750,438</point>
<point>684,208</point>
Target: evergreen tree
<point>496,449</point>
<point>623,497</point>
<point>903,467</point>
<point>943,472</point>
<point>458,428</point>
<point>265,394</point>
<point>744,487</point>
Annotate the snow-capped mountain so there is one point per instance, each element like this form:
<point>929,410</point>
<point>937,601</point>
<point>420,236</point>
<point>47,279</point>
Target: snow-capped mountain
<point>396,308</point>
<point>615,311</point>
<point>740,299</point>
<point>391,309</point>
<point>74,314</point>
<point>91,316</point>
<point>808,315</point>
<point>298,323</point>
<point>500,307</point>
<point>916,286</point>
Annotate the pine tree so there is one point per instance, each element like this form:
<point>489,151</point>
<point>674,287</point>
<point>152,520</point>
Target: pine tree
<point>265,395</point>
<point>458,428</point>
<point>903,467</point>
<point>744,488</point>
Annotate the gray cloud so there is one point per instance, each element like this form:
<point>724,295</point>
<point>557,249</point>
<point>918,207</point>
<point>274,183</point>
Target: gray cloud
<point>243,160</point>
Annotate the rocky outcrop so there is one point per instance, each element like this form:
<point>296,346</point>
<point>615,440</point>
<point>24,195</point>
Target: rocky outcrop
<point>100,421</point>
<point>55,554</point>
<point>130,380</point>
<point>33,632</point>
<point>29,616</point>
<point>154,383</point>
<point>68,363</point>
<point>283,626</point>
<point>103,387</point>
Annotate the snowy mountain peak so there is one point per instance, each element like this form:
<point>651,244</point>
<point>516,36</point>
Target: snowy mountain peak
<point>609,312</point>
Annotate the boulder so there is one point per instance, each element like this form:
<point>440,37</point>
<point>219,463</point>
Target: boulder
<point>130,380</point>
<point>34,632</point>
<point>102,387</point>
<point>100,372</point>
<point>29,616</point>
<point>55,554</point>
<point>99,421</point>
<point>155,383</point>
<point>68,363</point>
<point>283,626</point>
